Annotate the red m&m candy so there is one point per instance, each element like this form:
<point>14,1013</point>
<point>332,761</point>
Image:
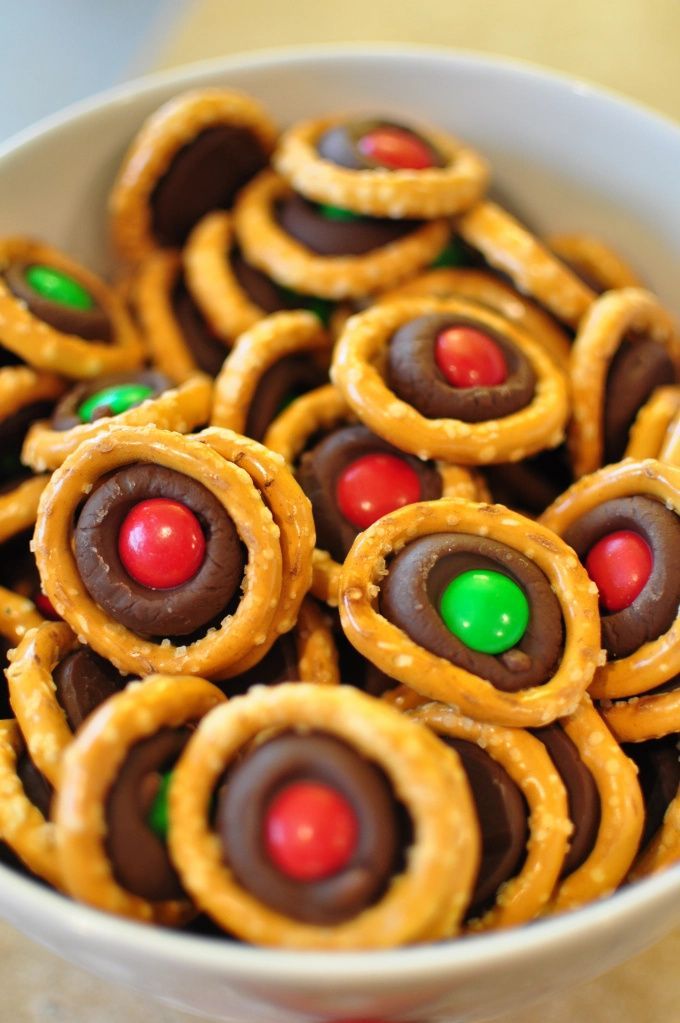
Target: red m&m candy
<point>310,831</point>
<point>373,486</point>
<point>619,564</point>
<point>161,543</point>
<point>470,358</point>
<point>396,148</point>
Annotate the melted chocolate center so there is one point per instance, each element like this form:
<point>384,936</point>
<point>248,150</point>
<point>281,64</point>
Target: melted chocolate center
<point>204,175</point>
<point>83,680</point>
<point>305,222</point>
<point>259,288</point>
<point>90,324</point>
<point>637,369</point>
<point>414,376</point>
<point>36,785</point>
<point>207,349</point>
<point>183,609</point>
<point>658,762</point>
<point>340,145</point>
<point>250,787</point>
<point>653,611</point>
<point>411,592</point>
<point>320,468</point>
<point>65,415</point>
<point>286,380</point>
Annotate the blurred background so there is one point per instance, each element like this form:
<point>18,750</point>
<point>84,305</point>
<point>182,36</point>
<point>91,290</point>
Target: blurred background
<point>54,53</point>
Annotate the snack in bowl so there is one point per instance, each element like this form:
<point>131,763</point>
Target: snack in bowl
<point>284,618</point>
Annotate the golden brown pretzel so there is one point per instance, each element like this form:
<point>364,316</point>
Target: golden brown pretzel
<point>656,430</point>
<point>594,260</point>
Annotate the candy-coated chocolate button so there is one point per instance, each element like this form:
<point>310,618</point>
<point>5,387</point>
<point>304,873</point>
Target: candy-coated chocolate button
<point>470,358</point>
<point>310,831</point>
<point>158,814</point>
<point>113,400</point>
<point>58,287</point>
<point>396,148</point>
<point>453,254</point>
<point>161,543</point>
<point>337,213</point>
<point>620,565</point>
<point>373,486</point>
<point>486,610</point>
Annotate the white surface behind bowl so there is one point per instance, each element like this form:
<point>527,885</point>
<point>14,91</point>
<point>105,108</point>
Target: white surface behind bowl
<point>567,157</point>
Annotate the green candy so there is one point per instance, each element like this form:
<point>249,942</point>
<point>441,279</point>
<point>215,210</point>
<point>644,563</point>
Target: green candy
<point>336,213</point>
<point>158,814</point>
<point>451,255</point>
<point>58,287</point>
<point>321,307</point>
<point>486,610</point>
<point>116,399</point>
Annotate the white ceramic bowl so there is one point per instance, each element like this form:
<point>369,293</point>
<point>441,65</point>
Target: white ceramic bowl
<point>568,157</point>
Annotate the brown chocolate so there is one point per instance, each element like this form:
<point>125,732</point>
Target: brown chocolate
<point>204,175</point>
<point>502,814</point>
<point>139,858</point>
<point>65,415</point>
<point>181,610</point>
<point>36,785</point>
<point>532,484</point>
<point>286,380</point>
<point>658,762</point>
<point>242,803</point>
<point>259,288</point>
<point>322,465</point>
<point>411,592</point>
<point>339,145</point>
<point>207,349</point>
<point>414,376</point>
<point>637,369</point>
<point>654,610</point>
<point>279,664</point>
<point>90,324</point>
<point>305,221</point>
<point>83,680</point>
<point>13,429</point>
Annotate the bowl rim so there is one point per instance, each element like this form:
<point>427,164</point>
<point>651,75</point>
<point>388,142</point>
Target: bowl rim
<point>280,964</point>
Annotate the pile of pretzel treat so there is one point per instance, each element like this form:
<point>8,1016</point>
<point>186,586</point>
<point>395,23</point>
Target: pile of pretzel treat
<point>340,537</point>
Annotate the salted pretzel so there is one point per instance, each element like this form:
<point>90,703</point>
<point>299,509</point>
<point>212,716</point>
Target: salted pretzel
<point>23,826</point>
<point>138,226</point>
<point>182,408</point>
<point>294,339</point>
<point>511,248</point>
<point>267,246</point>
<point>490,291</point>
<point>161,706</point>
<point>664,849</point>
<point>22,389</point>
<point>538,414</point>
<point>628,315</point>
<point>451,181</point>
<point>123,469</point>
<point>606,503</point>
<point>650,716</point>
<point>593,260</point>
<point>475,530</point>
<point>27,315</point>
<point>322,410</point>
<point>656,430</point>
<point>326,726</point>
<point>525,894</point>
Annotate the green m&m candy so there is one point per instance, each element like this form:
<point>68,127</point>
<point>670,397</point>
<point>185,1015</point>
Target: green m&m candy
<point>486,610</point>
<point>115,399</point>
<point>57,286</point>
<point>337,213</point>
<point>158,814</point>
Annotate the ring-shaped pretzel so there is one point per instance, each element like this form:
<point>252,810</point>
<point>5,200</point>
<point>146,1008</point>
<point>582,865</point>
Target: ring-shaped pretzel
<point>389,647</point>
<point>22,825</point>
<point>527,762</point>
<point>599,336</point>
<point>639,718</point>
<point>656,430</point>
<point>664,849</point>
<point>622,811</point>
<point>213,653</point>
<point>19,506</point>
<point>316,651</point>
<point>47,348</point>
<point>169,129</point>
<point>356,372</point>
<point>428,193</point>
<point>659,660</point>
<point>594,260</point>
<point>489,291</point>
<point>272,339</point>
<point>21,386</point>
<point>268,247</point>
<point>425,901</point>
<point>89,769</point>
<point>181,408</point>
<point>508,246</point>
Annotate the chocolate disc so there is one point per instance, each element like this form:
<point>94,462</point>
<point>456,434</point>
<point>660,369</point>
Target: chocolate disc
<point>83,680</point>
<point>250,787</point>
<point>207,349</point>
<point>139,858</point>
<point>637,369</point>
<point>411,592</point>
<point>658,762</point>
<point>286,380</point>
<point>183,609</point>
<point>90,324</point>
<point>653,611</point>
<point>65,415</point>
<point>36,785</point>
<point>259,288</point>
<point>414,376</point>
<point>320,468</point>
<point>305,221</point>
<point>204,175</point>
<point>339,145</point>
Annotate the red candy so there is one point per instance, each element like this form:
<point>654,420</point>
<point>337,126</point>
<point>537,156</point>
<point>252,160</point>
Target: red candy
<point>310,831</point>
<point>161,543</point>
<point>470,358</point>
<point>373,486</point>
<point>44,605</point>
<point>396,148</point>
<point>620,565</point>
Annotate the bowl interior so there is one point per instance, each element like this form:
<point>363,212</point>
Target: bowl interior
<point>565,157</point>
